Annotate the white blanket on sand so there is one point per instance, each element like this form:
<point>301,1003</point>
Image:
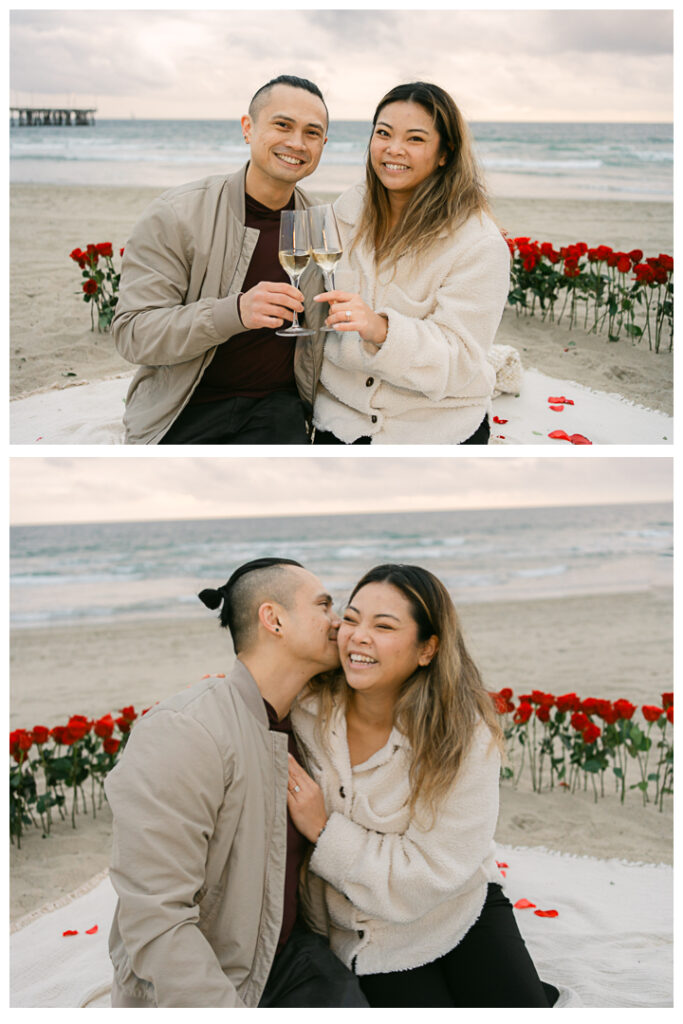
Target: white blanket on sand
<point>611,942</point>
<point>91,413</point>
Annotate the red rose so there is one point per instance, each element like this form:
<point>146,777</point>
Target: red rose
<point>591,733</point>
<point>111,746</point>
<point>608,712</point>
<point>667,700</point>
<point>121,252</point>
<point>19,742</point>
<point>123,724</point>
<point>590,705</point>
<point>77,255</point>
<point>568,702</point>
<point>77,727</point>
<point>546,700</point>
<point>571,267</point>
<point>666,261</point>
<point>624,708</point>
<point>105,249</point>
<point>104,726</point>
<point>604,251</point>
<point>661,276</point>
<point>129,713</point>
<point>644,274</point>
<point>90,286</point>
<point>543,714</point>
<point>580,721</point>
<point>636,255</point>
<point>502,703</point>
<point>652,713</point>
<point>523,713</point>
<point>40,734</point>
<point>623,263</point>
<point>58,733</point>
<point>670,714</point>
<point>506,692</point>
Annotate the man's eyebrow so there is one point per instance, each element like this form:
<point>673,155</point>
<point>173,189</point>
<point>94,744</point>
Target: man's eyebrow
<point>324,597</point>
<point>292,120</point>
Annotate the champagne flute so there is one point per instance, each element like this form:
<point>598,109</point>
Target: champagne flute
<point>294,255</point>
<point>326,246</point>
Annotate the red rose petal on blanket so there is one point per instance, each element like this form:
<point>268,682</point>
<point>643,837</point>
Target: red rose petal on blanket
<point>504,873</point>
<point>91,931</point>
<point>562,400</point>
<point>579,439</point>
<point>524,904</point>
<point>497,419</point>
<point>559,435</point>
<point>500,864</point>
<point>556,408</point>
<point>501,437</point>
<point>546,913</point>
<point>69,933</point>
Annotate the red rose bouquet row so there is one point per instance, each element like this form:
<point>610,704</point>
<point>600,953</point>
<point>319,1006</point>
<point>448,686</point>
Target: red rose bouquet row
<point>101,281</point>
<point>567,738</point>
<point>47,766</point>
<point>620,289</point>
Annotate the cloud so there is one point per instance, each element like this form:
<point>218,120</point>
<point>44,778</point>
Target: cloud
<point>93,489</point>
<point>530,64</point>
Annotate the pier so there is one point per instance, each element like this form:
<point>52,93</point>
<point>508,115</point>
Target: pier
<point>38,116</point>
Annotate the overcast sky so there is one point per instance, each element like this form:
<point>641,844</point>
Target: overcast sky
<point>524,65</point>
<point>125,488</point>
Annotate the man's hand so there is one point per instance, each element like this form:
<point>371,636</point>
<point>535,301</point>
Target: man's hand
<point>305,802</point>
<point>269,304</point>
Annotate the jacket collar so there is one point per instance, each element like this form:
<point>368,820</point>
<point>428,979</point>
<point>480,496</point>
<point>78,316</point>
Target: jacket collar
<point>236,184</point>
<point>242,680</point>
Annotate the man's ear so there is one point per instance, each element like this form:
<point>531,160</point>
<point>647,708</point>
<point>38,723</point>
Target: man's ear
<point>269,617</point>
<point>246,123</point>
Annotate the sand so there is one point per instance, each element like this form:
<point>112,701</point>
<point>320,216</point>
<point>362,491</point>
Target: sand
<point>51,344</point>
<point>613,645</point>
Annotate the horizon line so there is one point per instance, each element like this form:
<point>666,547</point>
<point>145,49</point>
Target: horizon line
<point>347,512</point>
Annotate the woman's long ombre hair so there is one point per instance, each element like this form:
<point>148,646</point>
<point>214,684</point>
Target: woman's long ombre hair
<point>445,199</point>
<point>440,705</point>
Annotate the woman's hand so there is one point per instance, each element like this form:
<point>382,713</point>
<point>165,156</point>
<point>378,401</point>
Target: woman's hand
<point>348,312</point>
<point>305,802</point>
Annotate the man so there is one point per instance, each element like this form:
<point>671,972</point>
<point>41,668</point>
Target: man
<point>202,292</point>
<point>205,858</point>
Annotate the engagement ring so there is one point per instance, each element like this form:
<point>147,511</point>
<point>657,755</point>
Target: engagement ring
<point>297,789</point>
<point>348,314</point>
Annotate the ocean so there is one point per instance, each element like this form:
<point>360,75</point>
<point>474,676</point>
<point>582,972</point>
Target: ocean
<point>66,575</point>
<point>585,161</point>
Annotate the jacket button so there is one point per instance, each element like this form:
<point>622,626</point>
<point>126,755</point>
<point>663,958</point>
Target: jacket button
<point>369,382</point>
<point>374,419</point>
<point>361,934</point>
<point>342,794</point>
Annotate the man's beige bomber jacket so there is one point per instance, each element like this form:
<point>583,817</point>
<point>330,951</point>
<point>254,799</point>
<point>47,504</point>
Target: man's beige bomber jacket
<point>183,269</point>
<point>199,800</point>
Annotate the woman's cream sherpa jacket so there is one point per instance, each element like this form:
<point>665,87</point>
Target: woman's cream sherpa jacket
<point>390,895</point>
<point>430,382</point>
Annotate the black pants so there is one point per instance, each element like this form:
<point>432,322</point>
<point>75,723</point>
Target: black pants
<point>276,419</point>
<point>480,436</point>
<point>307,973</point>
<point>490,967</point>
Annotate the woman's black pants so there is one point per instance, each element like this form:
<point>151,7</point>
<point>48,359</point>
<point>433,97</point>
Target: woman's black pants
<point>480,436</point>
<point>490,967</point>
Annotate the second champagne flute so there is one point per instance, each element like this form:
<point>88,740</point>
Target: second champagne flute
<point>294,254</point>
<point>326,246</point>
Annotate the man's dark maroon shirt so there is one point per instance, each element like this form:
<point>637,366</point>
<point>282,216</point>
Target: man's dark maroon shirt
<point>255,363</point>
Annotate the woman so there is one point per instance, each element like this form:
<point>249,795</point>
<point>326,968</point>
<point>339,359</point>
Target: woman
<point>402,807</point>
<point>421,286</point>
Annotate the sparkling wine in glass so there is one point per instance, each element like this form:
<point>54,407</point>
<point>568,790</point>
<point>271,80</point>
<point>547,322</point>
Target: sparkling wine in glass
<point>294,255</point>
<point>326,246</point>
